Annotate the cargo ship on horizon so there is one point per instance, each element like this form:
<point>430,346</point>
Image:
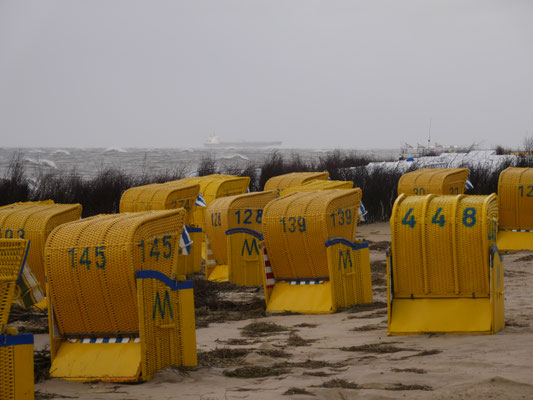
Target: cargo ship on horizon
<point>213,141</point>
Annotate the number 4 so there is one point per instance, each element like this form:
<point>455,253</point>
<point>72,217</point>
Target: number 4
<point>409,221</point>
<point>438,220</point>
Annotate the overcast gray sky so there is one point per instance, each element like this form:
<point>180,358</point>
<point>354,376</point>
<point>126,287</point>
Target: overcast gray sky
<point>351,74</point>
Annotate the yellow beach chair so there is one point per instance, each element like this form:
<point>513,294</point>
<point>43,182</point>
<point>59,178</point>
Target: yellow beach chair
<point>213,187</point>
<point>433,181</point>
<point>444,271</point>
<point>285,181</point>
<point>515,193</point>
<point>313,264</point>
<point>34,221</point>
<point>16,350</point>
<point>117,312</point>
<point>166,197</point>
<point>234,233</point>
<point>317,184</point>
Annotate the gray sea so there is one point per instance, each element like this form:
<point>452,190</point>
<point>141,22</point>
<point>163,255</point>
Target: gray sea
<point>87,162</point>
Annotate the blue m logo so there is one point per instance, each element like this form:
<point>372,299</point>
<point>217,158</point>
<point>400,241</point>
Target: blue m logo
<point>162,308</point>
<point>250,247</point>
<point>344,259</point>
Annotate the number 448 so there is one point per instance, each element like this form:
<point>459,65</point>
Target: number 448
<point>469,218</point>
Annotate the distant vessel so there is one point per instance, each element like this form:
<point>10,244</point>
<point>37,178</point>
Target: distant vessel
<point>214,141</point>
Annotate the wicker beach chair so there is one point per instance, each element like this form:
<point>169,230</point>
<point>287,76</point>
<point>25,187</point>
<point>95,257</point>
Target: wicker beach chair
<point>34,221</point>
<point>285,181</point>
<point>434,181</point>
<point>213,187</point>
<point>312,263</point>
<point>117,312</point>
<point>317,184</point>
<point>234,233</point>
<point>16,350</point>
<point>515,194</point>
<point>166,197</point>
<point>444,270</point>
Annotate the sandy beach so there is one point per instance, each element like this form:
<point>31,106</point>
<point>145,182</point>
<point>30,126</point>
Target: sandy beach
<point>345,355</point>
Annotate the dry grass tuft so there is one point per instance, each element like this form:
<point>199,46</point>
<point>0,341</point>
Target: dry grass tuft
<point>318,373</point>
<point>376,348</point>
<point>221,357</point>
<point>401,386</point>
<point>296,340</point>
<point>210,307</point>
<point>294,390</point>
<point>262,328</point>
<point>527,258</point>
<point>275,353</point>
<point>357,308</point>
<point>340,383</point>
<point>256,372</point>
<point>305,325</point>
<point>515,324</point>
<point>411,370</point>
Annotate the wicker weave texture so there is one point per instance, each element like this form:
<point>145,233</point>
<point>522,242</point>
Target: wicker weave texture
<point>296,227</point>
<point>440,245</point>
<point>171,195</point>
<point>515,193</point>
<point>12,252</point>
<point>317,184</point>
<point>424,181</point>
<point>167,327</point>
<point>16,372</point>
<point>245,212</point>
<point>91,264</point>
<point>216,225</point>
<point>34,222</point>
<point>214,186</point>
<point>161,197</point>
<point>7,377</point>
<point>350,275</point>
<point>285,181</point>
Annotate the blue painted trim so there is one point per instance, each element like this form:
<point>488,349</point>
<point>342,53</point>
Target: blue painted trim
<point>173,285</point>
<point>494,249</point>
<point>346,242</point>
<point>245,230</point>
<point>24,262</point>
<point>15,340</point>
<point>193,229</point>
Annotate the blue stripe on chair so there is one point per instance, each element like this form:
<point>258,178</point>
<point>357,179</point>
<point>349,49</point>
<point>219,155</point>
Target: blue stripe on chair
<point>346,242</point>
<point>193,229</point>
<point>24,262</point>
<point>173,285</point>
<point>245,230</point>
<point>14,340</point>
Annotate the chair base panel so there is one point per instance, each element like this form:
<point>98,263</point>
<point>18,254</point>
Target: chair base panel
<point>454,315</point>
<point>108,362</point>
<point>514,241</point>
<point>305,299</point>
